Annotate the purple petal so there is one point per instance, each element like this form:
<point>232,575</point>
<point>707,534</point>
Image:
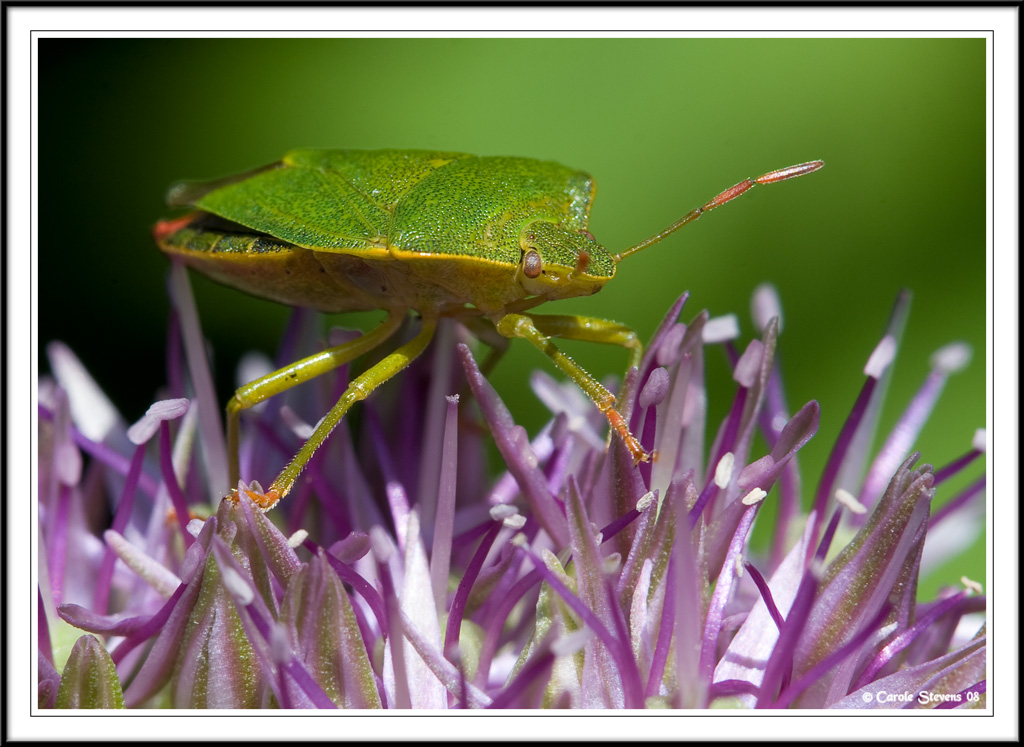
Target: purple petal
<point>690,590</point>
<point>92,412</point>
<point>862,578</point>
<point>272,547</point>
<point>105,625</point>
<point>440,667</point>
<point>455,613</point>
<point>656,388</point>
<point>49,682</point>
<point>657,343</point>
<point>352,548</point>
<point>947,361</point>
<point>680,444</point>
<point>604,686</point>
<point>514,448</point>
<point>103,454</point>
<point>581,609</point>
<point>124,511</point>
<point>566,398</point>
<point>440,556</point>
<point>721,596</point>
<point>211,430</point>
<point>326,636</point>
<point>435,405</point>
<point>171,483</point>
<point>533,676</point>
<point>977,449</point>
<point>906,638</point>
<point>849,454</point>
<point>286,676</point>
<point>417,602</point>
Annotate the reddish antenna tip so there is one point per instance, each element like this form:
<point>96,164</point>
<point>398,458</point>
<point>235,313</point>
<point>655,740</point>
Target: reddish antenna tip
<point>720,199</point>
<point>789,173</point>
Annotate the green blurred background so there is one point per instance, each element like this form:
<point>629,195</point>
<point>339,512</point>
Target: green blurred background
<point>662,124</point>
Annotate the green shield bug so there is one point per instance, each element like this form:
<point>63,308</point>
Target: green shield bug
<point>436,233</point>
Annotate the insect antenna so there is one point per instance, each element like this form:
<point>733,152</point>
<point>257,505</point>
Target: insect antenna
<point>732,193</point>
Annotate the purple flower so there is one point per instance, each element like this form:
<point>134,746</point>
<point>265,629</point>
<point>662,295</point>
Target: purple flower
<point>400,573</point>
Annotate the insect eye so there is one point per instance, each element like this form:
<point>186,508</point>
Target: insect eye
<point>587,234</point>
<point>532,266</point>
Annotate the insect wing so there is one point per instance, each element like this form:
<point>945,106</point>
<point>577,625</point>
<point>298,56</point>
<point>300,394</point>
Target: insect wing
<point>325,199</point>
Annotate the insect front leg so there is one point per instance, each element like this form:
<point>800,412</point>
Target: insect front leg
<point>538,329</point>
<point>590,329</point>
<point>358,390</point>
<point>296,373</point>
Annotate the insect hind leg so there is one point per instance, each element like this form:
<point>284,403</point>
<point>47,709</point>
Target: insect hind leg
<point>359,389</point>
<point>296,373</point>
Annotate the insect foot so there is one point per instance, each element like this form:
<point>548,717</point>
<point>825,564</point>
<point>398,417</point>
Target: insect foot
<point>632,443</point>
<point>264,501</point>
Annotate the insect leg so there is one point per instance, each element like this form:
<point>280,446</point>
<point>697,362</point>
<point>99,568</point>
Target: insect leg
<point>590,329</point>
<point>359,389</point>
<point>593,329</point>
<point>521,325</point>
<point>283,379</point>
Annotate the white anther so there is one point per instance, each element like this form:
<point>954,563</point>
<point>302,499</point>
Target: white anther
<point>971,585</point>
<point>237,586</point>
<point>754,496</point>
<point>778,423</point>
<point>515,521</point>
<point>723,472</point>
<point>646,500</point>
<point>720,329</point>
<point>881,357</point>
<point>847,499</point>
<point>764,305</point>
<point>502,511</point>
<point>612,562</point>
<point>952,358</point>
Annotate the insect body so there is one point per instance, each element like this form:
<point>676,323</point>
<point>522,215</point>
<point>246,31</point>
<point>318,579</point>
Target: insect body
<point>442,234</point>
